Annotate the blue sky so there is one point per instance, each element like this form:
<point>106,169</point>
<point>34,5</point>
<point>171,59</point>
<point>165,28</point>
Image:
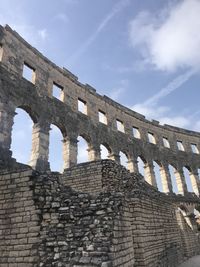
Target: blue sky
<point>144,54</point>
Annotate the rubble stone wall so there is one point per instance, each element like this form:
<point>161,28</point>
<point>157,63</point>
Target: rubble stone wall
<point>96,214</point>
<point>127,223</point>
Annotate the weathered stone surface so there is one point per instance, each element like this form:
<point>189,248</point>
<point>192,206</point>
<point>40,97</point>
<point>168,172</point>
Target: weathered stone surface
<point>96,213</point>
<point>128,223</point>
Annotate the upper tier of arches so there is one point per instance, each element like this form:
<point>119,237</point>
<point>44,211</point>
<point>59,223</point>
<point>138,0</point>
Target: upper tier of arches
<point>51,95</point>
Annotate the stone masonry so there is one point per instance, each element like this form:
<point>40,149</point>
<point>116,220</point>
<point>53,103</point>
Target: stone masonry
<point>98,213</point>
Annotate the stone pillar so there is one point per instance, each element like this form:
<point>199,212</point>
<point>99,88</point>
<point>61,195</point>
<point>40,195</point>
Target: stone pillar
<point>70,152</point>
<point>115,157</point>
<point>180,181</point>
<point>166,179</point>
<point>195,182</point>
<point>132,165</point>
<point>40,147</point>
<point>149,174</point>
<point>94,153</point>
<point>6,122</point>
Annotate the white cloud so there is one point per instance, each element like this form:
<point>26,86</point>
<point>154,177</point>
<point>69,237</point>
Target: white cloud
<point>43,34</point>
<point>85,45</point>
<point>170,41</point>
<point>161,113</point>
<point>197,126</point>
<point>179,121</point>
<point>151,112</point>
<point>171,87</point>
<point>62,17</point>
<point>116,93</point>
<point>16,18</point>
<point>150,108</point>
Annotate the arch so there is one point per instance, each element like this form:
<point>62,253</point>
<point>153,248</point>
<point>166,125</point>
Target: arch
<point>123,159</point>
<point>60,126</point>
<point>21,138</point>
<point>186,172</point>
<point>104,151</point>
<point>158,175</point>
<point>105,144</point>
<point>198,171</point>
<point>186,215</point>
<point>56,148</point>
<point>172,170</point>
<point>184,208</point>
<point>30,112</point>
<point>86,137</point>
<point>82,149</point>
<point>141,165</point>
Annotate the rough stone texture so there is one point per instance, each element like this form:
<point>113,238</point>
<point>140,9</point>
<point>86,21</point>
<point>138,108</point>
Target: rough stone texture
<point>96,213</point>
<point>19,220</point>
<point>85,177</point>
<point>37,100</point>
<point>128,223</point>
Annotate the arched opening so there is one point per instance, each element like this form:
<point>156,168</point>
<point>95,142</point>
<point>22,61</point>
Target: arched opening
<point>141,165</point>
<point>82,146</point>
<point>173,179</point>
<point>186,173</point>
<point>21,143</point>
<point>55,149</point>
<point>198,171</point>
<point>105,152</point>
<point>158,176</point>
<point>186,215</point>
<point>123,159</point>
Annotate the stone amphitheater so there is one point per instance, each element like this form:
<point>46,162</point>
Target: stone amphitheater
<point>97,213</point>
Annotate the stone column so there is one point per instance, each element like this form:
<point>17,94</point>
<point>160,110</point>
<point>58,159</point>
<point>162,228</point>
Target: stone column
<point>166,179</point>
<point>94,153</point>
<point>70,151</point>
<point>132,165</point>
<point>149,174</point>
<point>6,122</point>
<point>180,180</point>
<point>195,182</point>
<point>115,157</point>
<point>40,147</point>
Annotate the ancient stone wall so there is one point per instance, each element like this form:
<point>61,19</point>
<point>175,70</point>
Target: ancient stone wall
<point>102,121</point>
<point>127,223</point>
<point>19,220</point>
<point>96,213</point>
<point>85,177</point>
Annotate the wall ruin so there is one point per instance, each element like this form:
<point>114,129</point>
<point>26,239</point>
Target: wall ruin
<point>96,213</point>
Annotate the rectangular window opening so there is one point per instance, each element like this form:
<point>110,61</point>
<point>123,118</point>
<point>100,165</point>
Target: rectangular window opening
<point>166,142</point>
<point>58,91</point>
<point>82,106</point>
<point>120,126</point>
<point>136,133</point>
<point>180,146</point>
<point>1,52</point>
<point>102,117</point>
<point>29,73</point>
<point>151,138</point>
<point>195,148</point>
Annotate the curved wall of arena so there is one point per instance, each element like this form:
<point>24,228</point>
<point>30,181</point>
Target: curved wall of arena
<point>101,121</point>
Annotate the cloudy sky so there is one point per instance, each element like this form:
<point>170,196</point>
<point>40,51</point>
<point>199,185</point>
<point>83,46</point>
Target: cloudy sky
<point>144,54</point>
